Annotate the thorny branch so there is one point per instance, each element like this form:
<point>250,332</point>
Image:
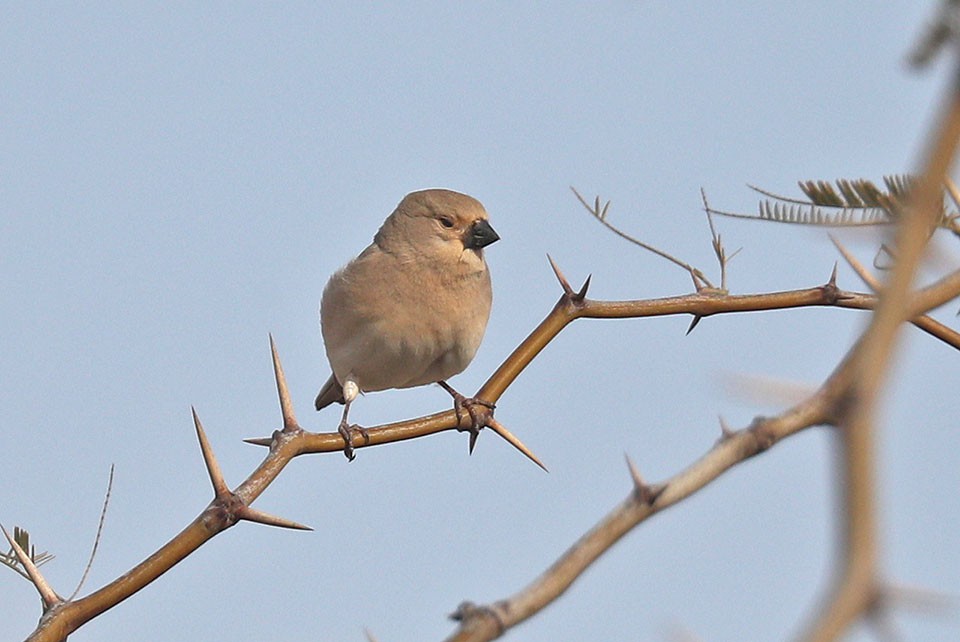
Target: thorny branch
<point>228,507</point>
<point>734,447</point>
<point>857,586</point>
<point>846,400</point>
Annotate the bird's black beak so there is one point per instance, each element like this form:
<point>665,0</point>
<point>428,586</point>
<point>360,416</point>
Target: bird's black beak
<point>480,235</point>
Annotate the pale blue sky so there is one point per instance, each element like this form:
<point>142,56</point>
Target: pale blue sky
<point>179,181</point>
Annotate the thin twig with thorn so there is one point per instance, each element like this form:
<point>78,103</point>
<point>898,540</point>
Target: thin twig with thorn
<point>718,249</point>
<point>699,280</point>
<point>96,540</point>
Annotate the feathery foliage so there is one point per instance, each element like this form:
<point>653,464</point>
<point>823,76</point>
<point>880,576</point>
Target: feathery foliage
<point>844,203</point>
<point>22,538</point>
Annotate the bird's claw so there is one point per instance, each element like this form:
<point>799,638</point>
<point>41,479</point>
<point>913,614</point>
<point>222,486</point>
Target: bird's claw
<point>480,412</point>
<point>478,409</point>
<point>345,431</point>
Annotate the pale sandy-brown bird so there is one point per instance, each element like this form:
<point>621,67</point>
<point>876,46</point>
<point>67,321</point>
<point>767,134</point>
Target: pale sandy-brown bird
<point>412,308</point>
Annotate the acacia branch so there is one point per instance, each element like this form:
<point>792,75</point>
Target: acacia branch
<point>856,588</point>
<point>228,507</point>
<point>846,400</point>
<point>488,622</point>
<point>491,621</point>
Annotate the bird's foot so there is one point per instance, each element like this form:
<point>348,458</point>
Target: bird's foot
<point>480,412</point>
<point>346,431</point>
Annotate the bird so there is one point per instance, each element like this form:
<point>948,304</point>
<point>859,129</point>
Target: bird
<point>412,308</point>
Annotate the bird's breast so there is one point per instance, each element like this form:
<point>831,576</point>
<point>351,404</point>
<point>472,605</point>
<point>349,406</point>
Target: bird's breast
<point>405,323</point>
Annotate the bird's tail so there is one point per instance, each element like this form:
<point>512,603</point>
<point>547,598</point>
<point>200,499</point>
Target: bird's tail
<point>330,392</point>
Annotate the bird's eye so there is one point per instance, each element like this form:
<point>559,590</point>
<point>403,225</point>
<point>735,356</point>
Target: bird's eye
<point>446,221</point>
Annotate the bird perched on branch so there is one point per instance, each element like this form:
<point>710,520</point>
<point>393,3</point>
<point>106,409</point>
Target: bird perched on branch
<point>412,308</point>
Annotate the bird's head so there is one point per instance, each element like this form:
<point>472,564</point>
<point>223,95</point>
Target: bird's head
<point>439,224</point>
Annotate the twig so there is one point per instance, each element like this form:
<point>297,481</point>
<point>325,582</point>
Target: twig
<point>854,589</point>
<point>600,213</point>
<point>489,621</point>
<point>718,248</point>
<point>96,540</point>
